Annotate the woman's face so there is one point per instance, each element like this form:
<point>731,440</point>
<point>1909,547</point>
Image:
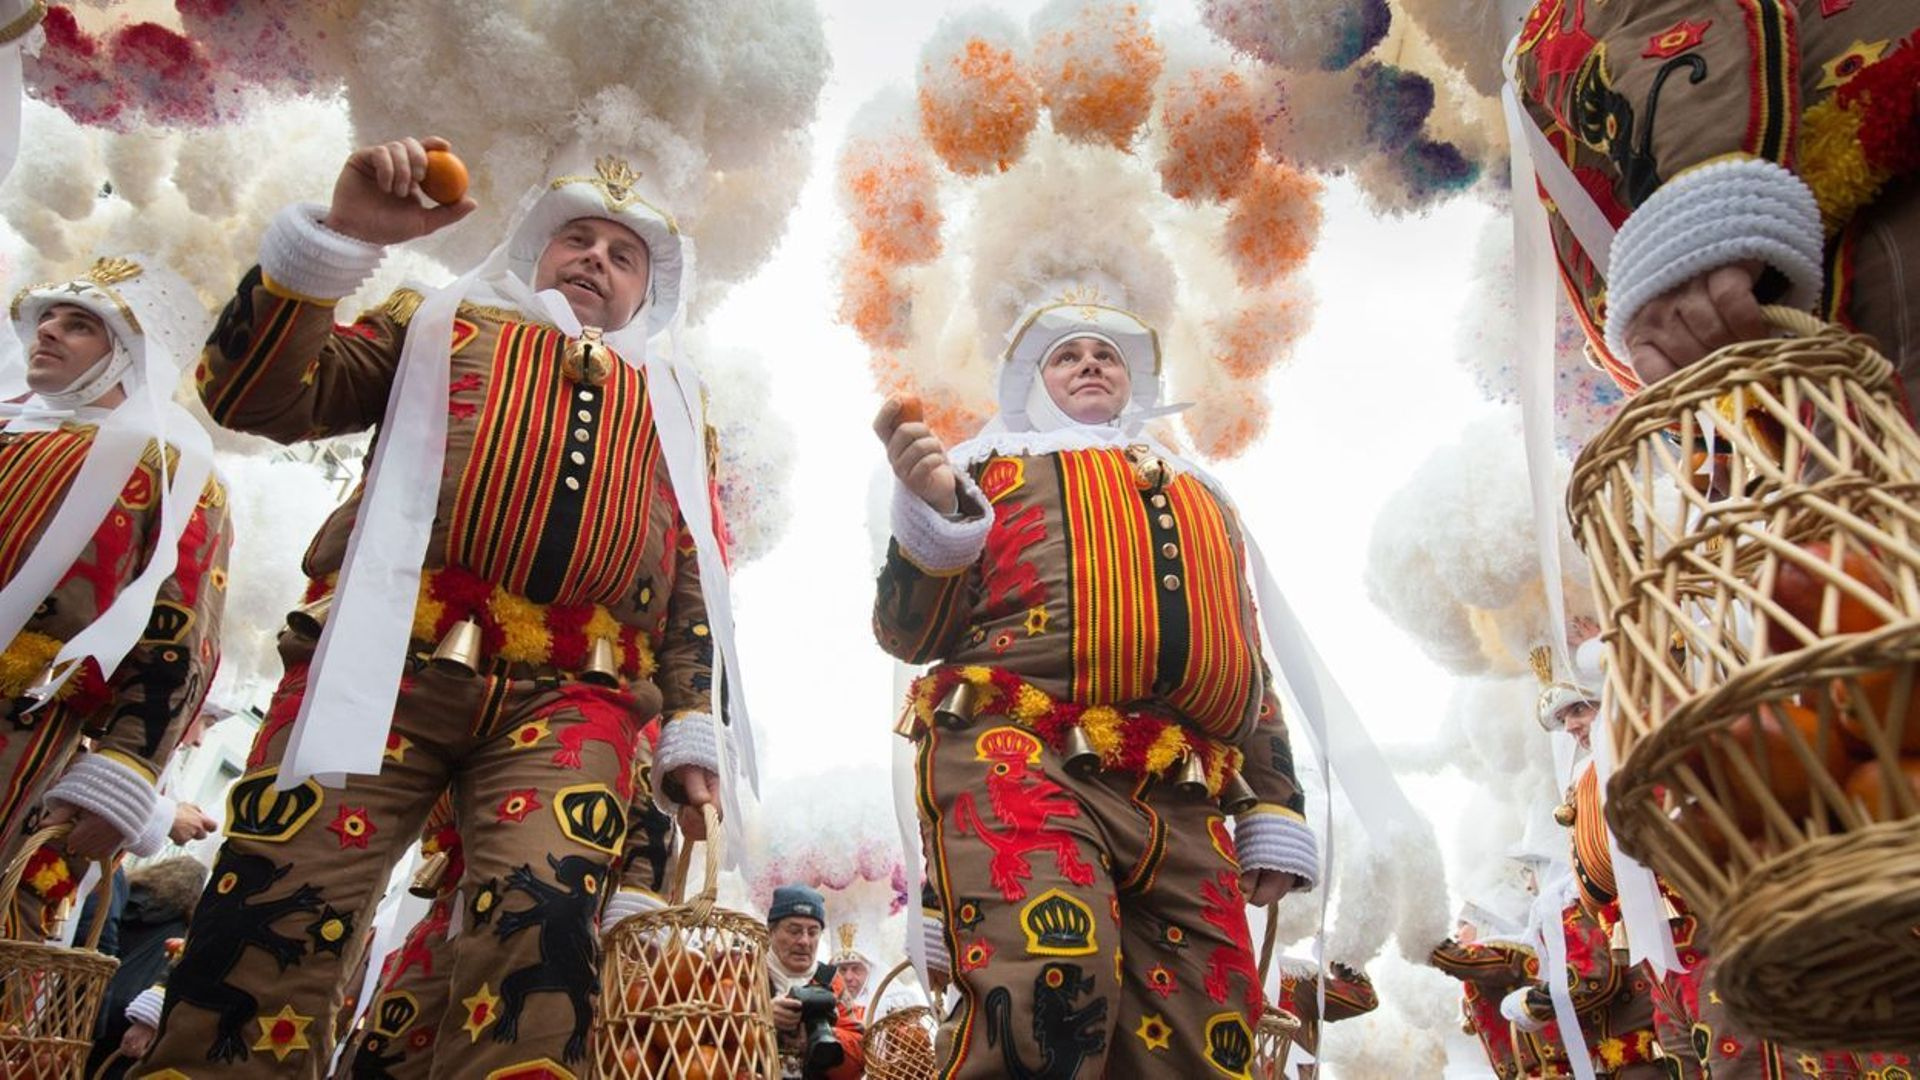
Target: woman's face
<point>1088,379</point>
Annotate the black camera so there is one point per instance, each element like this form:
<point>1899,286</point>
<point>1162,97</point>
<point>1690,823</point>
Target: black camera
<point>818,1011</point>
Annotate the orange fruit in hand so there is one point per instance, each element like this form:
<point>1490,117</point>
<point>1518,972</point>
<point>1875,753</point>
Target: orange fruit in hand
<point>911,410</point>
<point>1803,593</point>
<point>446,179</point>
<point>1868,786</point>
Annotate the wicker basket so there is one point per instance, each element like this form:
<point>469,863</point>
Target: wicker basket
<point>50,995</point>
<point>684,990</point>
<point>1762,625</point>
<point>1273,1037</point>
<point>899,1045</point>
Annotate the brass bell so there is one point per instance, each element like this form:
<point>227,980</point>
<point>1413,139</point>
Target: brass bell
<point>1079,754</point>
<point>908,722</point>
<point>432,873</point>
<point>308,620</point>
<point>1193,777</point>
<point>1236,797</point>
<point>1565,815</point>
<point>459,651</point>
<point>601,669</point>
<point>44,685</point>
<point>1617,941</point>
<point>956,710</point>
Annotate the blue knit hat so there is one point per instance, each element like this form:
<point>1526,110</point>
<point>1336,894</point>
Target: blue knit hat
<point>792,900</point>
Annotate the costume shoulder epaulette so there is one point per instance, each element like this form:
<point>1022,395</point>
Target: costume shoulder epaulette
<point>401,304</point>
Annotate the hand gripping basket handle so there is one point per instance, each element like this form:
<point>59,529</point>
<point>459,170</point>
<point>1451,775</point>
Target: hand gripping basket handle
<point>716,853</point>
<point>10,882</point>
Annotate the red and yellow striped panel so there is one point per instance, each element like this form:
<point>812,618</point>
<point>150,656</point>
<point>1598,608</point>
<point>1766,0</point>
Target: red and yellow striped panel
<point>1116,627</point>
<point>1221,670</point>
<point>521,440</point>
<point>35,472</point>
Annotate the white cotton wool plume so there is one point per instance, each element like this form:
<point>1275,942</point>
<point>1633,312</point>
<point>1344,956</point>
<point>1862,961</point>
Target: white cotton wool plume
<point>681,89</point>
<point>1311,119</point>
<point>203,169</point>
<point>1064,209</point>
<point>137,163</point>
<point>277,505</point>
<point>60,168</point>
<point>1503,742</point>
<point>744,217</point>
<point>1468,35</point>
<point>1382,1045</point>
<point>1366,898</point>
<point>1452,560</point>
<point>754,472</point>
<point>1420,872</point>
<point>1424,997</point>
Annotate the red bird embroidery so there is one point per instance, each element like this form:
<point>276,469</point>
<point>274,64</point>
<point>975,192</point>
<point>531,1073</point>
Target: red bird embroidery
<point>1226,911</point>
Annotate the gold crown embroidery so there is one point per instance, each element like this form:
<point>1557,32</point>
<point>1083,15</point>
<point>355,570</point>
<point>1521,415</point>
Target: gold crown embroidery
<point>112,270</point>
<point>616,181</point>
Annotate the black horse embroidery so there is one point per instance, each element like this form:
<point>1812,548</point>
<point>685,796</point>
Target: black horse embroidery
<point>224,925</point>
<point>569,959</point>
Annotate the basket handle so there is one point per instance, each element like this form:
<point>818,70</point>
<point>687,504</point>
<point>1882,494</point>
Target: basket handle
<point>1794,321</point>
<point>716,851</point>
<point>102,893</point>
<point>880,992</point>
<point>1266,945</point>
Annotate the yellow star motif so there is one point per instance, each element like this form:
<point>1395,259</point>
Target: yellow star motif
<point>1714,997</point>
<point>530,735</point>
<point>1036,621</point>
<point>483,1008</point>
<point>397,752</point>
<point>283,1033</point>
<point>1860,55</point>
<point>1154,1032</point>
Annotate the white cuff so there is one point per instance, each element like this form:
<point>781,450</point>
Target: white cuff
<point>1514,1008</point>
<point>100,785</point>
<point>153,839</point>
<point>1715,216</point>
<point>687,739</point>
<point>1277,842</point>
<point>306,258</point>
<point>933,936</point>
<point>145,1008</point>
<point>625,904</point>
<point>934,542</point>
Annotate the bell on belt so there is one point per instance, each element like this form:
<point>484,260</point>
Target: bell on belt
<point>427,880</point>
<point>1565,815</point>
<point>1236,797</point>
<point>1193,776</point>
<point>459,651</point>
<point>1078,753</point>
<point>308,620</point>
<point>1617,941</point>
<point>600,669</point>
<point>42,686</point>
<point>956,709</point>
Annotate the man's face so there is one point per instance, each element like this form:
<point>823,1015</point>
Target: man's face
<point>600,266</point>
<point>796,940</point>
<point>1578,719</point>
<point>853,975</point>
<point>67,343</point>
<point>1088,379</point>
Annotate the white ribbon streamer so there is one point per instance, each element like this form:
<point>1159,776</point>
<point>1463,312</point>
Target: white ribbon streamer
<point>12,86</point>
<point>1550,909</point>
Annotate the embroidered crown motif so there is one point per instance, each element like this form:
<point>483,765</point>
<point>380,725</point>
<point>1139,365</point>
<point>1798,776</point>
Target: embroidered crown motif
<point>616,181</point>
<point>112,270</point>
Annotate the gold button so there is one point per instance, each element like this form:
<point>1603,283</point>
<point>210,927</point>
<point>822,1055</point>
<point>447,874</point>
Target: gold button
<point>573,483</point>
<point>580,435</point>
<point>586,395</point>
<point>585,415</point>
<point>578,458</point>
<point>1166,521</point>
<point>1170,551</point>
<point>1159,502</point>
<point>1171,582</point>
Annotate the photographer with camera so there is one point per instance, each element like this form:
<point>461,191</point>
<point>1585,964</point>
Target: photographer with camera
<point>819,1038</point>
